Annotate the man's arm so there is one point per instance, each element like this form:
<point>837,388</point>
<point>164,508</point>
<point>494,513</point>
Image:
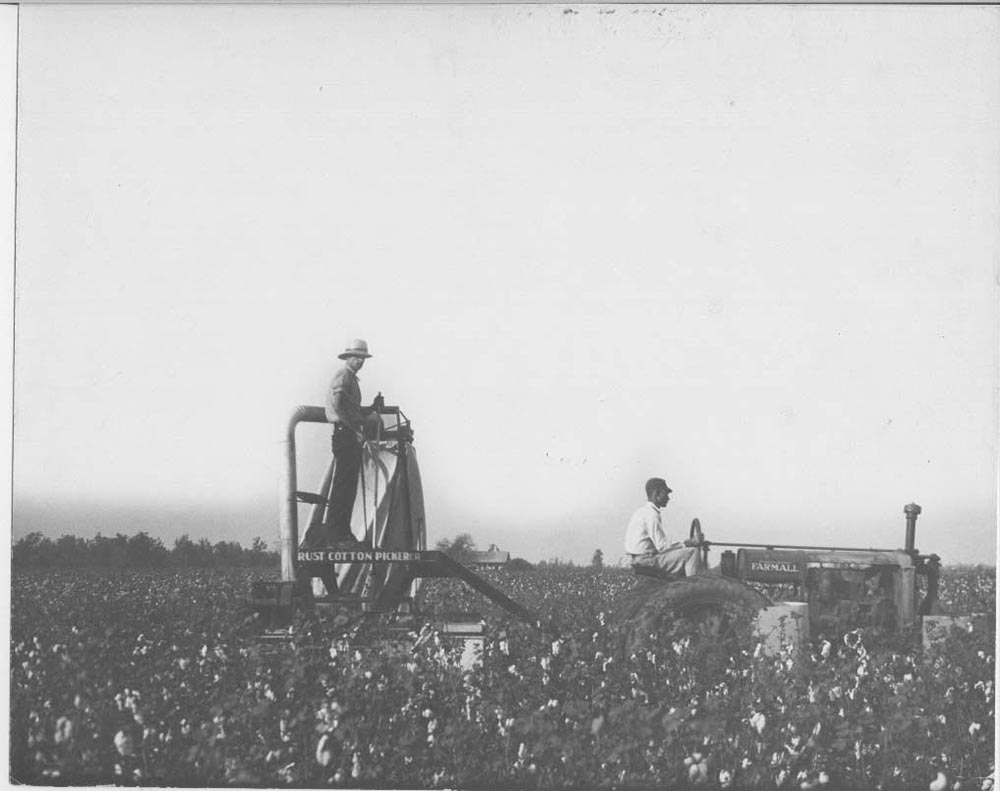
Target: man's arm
<point>637,536</point>
<point>657,533</point>
<point>346,412</point>
<point>342,402</point>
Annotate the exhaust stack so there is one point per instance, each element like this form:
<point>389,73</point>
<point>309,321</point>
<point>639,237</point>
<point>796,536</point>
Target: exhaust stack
<point>912,511</point>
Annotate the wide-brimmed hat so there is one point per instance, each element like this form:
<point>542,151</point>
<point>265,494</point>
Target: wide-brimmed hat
<point>355,348</point>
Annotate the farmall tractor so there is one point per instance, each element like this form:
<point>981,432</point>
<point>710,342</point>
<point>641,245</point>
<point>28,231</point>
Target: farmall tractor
<point>794,593</point>
<point>791,593</point>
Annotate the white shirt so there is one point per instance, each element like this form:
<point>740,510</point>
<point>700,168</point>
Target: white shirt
<point>645,532</point>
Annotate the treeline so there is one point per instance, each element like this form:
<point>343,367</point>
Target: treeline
<point>136,551</point>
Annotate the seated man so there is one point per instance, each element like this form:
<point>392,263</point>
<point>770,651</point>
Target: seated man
<point>646,541</point>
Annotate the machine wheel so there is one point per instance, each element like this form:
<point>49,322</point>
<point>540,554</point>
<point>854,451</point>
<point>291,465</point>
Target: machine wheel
<point>710,610</point>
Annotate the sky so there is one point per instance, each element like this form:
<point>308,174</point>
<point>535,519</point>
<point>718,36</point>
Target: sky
<point>750,249</point>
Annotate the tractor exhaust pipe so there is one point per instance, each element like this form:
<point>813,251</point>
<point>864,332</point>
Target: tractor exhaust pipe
<point>912,511</point>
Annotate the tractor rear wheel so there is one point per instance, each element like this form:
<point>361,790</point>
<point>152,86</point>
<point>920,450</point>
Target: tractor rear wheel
<point>711,611</point>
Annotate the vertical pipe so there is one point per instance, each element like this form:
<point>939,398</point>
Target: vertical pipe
<point>912,511</point>
<point>288,507</point>
<point>288,513</point>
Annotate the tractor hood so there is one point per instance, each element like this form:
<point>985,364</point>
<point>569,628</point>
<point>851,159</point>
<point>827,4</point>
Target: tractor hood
<point>789,565</point>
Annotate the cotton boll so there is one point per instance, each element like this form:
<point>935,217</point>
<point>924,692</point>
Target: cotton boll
<point>939,783</point>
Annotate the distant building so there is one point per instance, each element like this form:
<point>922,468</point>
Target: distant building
<point>491,558</point>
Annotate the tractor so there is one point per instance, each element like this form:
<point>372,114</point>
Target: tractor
<point>796,593</point>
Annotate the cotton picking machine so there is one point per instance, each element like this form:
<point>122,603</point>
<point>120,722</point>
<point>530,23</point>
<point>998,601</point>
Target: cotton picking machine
<point>377,578</point>
<point>795,592</point>
<point>825,591</point>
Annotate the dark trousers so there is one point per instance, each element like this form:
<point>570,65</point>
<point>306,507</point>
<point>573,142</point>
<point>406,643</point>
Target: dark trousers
<point>344,489</point>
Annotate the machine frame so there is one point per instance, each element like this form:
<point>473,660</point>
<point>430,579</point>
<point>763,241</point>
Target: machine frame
<point>276,602</point>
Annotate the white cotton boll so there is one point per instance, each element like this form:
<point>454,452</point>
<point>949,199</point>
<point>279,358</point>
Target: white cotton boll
<point>123,744</point>
<point>697,769</point>
<point>939,783</point>
<point>64,730</point>
<point>324,755</point>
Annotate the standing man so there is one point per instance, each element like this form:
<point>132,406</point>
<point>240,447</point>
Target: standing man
<point>646,541</point>
<point>343,409</point>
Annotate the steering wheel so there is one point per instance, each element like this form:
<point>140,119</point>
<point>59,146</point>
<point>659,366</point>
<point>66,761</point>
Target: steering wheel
<point>697,535</point>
